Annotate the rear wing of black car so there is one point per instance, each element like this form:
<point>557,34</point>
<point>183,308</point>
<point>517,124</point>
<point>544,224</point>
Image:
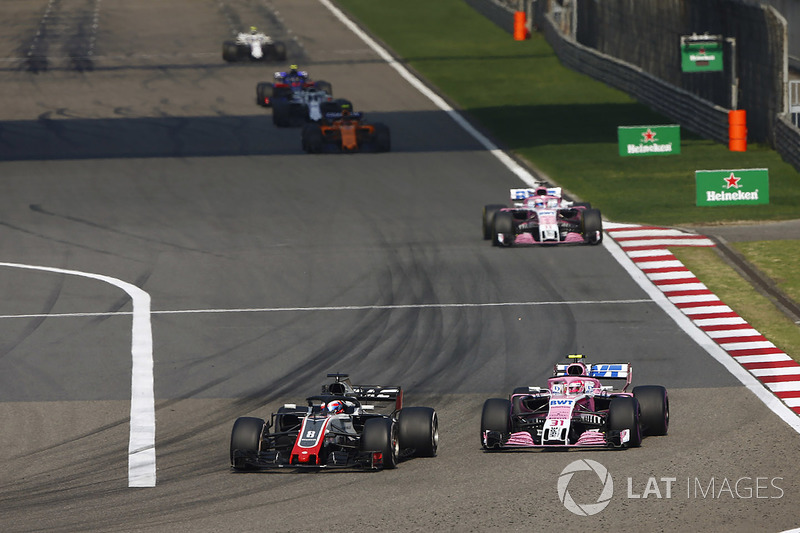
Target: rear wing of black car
<point>385,394</point>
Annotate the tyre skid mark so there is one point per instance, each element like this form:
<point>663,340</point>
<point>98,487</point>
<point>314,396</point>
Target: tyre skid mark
<point>74,29</point>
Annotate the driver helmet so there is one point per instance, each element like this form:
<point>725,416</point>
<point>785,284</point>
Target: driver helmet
<point>576,387</point>
<point>538,202</point>
<point>293,70</point>
<point>335,407</point>
<point>253,30</point>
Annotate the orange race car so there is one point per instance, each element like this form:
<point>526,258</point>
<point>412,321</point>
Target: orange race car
<point>345,132</point>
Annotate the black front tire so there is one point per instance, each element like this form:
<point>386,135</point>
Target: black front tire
<point>246,436</point>
<point>654,404</point>
<point>383,139</point>
<point>488,219</point>
<point>419,430</point>
<point>230,52</point>
<point>496,416</point>
<point>624,413</point>
<point>503,224</point>
<point>380,435</point>
<point>592,226</point>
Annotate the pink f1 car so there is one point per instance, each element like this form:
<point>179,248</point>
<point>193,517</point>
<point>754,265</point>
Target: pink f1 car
<point>541,216</point>
<point>576,410</point>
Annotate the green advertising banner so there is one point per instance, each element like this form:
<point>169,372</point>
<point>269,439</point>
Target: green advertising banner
<point>702,56</point>
<point>732,187</point>
<point>649,140</point>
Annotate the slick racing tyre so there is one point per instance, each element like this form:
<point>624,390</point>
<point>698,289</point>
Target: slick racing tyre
<point>488,219</point>
<point>419,430</point>
<point>623,413</point>
<point>380,435</point>
<point>264,94</point>
<point>230,52</point>
<point>503,224</point>
<point>383,139</point>
<point>654,405</point>
<point>324,86</point>
<point>496,416</point>
<point>281,114</point>
<point>246,437</point>
<point>592,226</point>
<point>312,139</point>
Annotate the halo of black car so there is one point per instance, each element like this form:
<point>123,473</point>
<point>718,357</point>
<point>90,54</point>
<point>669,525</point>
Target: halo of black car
<point>359,436</point>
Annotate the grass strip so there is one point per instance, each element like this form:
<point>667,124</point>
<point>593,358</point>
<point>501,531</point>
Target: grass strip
<point>739,295</point>
<point>565,123</point>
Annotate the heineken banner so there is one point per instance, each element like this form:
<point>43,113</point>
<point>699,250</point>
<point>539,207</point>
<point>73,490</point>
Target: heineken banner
<point>732,187</point>
<point>702,56</point>
<point>649,140</point>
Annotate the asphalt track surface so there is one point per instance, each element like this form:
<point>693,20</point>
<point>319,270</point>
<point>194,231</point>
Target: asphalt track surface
<point>148,161</point>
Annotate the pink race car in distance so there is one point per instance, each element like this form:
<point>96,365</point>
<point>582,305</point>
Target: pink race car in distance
<point>541,216</point>
<point>576,410</point>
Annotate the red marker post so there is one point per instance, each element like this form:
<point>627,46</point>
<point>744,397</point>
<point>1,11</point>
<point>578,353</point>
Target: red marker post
<point>737,130</point>
<point>520,31</point>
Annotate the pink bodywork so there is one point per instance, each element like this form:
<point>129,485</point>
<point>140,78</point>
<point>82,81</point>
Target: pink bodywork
<point>562,404</point>
<point>546,207</point>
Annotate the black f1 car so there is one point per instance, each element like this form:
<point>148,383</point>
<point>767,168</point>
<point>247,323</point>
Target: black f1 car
<point>339,428</point>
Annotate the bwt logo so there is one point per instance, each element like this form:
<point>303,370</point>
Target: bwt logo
<point>561,402</point>
<point>586,509</point>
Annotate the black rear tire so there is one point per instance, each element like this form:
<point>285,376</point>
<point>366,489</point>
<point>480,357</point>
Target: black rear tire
<point>624,413</point>
<point>488,218</point>
<point>380,435</point>
<point>654,405</point>
<point>312,139</point>
<point>496,416</point>
<point>324,86</point>
<point>592,226</point>
<point>383,139</point>
<point>246,436</point>
<point>419,430</point>
<point>503,224</point>
<point>281,114</point>
<point>264,93</point>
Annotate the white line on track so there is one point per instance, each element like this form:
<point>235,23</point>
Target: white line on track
<point>141,444</point>
<point>336,308</point>
<point>685,323</point>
